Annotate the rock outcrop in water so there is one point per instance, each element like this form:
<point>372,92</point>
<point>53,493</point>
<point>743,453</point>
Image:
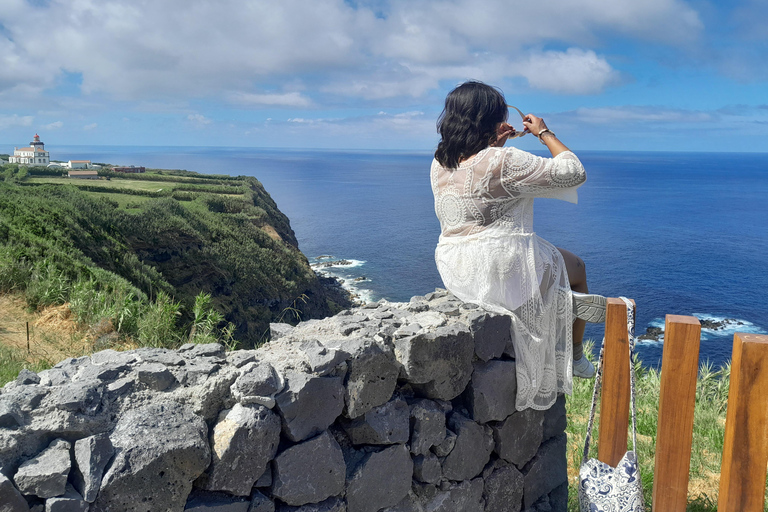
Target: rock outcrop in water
<point>392,407</point>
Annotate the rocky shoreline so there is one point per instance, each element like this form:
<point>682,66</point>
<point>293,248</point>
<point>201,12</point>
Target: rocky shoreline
<point>339,286</point>
<point>657,333</point>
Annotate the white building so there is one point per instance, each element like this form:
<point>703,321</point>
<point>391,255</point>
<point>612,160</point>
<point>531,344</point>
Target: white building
<point>78,164</point>
<point>35,154</point>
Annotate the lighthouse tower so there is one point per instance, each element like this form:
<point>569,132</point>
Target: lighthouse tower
<point>35,154</point>
<point>37,143</point>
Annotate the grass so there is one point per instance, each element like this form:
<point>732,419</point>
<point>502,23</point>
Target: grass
<point>708,433</point>
<point>151,186</point>
<point>13,360</point>
<point>124,201</point>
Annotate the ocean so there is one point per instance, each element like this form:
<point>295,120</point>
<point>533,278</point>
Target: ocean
<point>681,233</point>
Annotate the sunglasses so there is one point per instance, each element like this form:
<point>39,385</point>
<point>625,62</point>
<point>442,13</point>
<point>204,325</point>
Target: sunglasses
<point>522,116</point>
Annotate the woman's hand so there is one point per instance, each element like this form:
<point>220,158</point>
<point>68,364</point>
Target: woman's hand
<point>503,132</point>
<point>534,124</point>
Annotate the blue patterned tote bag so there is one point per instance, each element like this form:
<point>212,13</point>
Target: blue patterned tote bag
<point>603,488</point>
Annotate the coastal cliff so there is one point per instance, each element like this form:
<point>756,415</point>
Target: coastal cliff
<point>160,237</point>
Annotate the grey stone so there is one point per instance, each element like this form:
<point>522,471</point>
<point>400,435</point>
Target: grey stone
<point>492,391</point>
<point>427,426</point>
<point>162,356</point>
<point>309,472</point>
<point>410,503</point>
<point>322,360</point>
<point>265,480</point>
<point>155,376</point>
<point>558,498</point>
<point>203,501</point>
<point>10,498</point>
<point>25,398</point>
<point>518,437</point>
<point>429,320</point>
<point>503,491</point>
<point>426,468</point>
<point>406,330</point>
<point>56,376</point>
<point>103,372</point>
<point>424,492</point>
<point>279,330</point>
<point>243,441</point>
<point>70,501</point>
<point>260,503</point>
<point>45,475</point>
<point>462,497</point>
<point>114,357</point>
<point>371,377</point>
<point>82,397</point>
<point>194,350</point>
<point>381,480</point>
<point>555,419</point>
<point>383,315</point>
<point>449,308</point>
<point>120,387</point>
<point>10,414</point>
<point>447,444</point>
<point>417,306</point>
<point>26,377</point>
<point>385,424</point>
<point>240,358</point>
<point>333,504</point>
<point>309,404</point>
<point>257,384</point>
<point>547,471</point>
<point>541,505</point>
<point>160,449</point>
<point>440,362</point>
<point>197,371</point>
<point>492,334</point>
<point>91,456</point>
<point>474,444</point>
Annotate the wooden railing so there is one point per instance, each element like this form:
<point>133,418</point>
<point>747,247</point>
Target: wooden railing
<point>745,451</point>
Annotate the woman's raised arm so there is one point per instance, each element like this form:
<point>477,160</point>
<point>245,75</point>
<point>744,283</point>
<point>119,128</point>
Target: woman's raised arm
<point>538,127</point>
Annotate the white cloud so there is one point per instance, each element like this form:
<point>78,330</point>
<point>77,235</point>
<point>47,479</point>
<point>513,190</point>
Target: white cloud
<point>574,71</point>
<point>290,99</point>
<point>196,48</point>
<point>91,126</point>
<point>635,114</point>
<point>53,126</point>
<point>198,119</point>
<point>14,121</point>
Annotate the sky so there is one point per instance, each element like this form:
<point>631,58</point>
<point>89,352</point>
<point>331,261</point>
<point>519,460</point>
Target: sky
<point>650,75</point>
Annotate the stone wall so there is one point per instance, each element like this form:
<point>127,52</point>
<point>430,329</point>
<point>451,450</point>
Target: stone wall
<point>396,407</point>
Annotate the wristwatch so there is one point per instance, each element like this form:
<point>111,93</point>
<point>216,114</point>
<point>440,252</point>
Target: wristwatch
<point>542,132</point>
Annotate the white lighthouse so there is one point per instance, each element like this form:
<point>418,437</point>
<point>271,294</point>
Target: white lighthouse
<point>35,154</point>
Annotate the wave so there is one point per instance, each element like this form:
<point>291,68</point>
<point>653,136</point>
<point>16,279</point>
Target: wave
<point>352,281</point>
<point>714,327</point>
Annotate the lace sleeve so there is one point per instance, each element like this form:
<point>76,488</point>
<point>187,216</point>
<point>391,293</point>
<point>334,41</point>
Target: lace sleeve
<point>526,175</point>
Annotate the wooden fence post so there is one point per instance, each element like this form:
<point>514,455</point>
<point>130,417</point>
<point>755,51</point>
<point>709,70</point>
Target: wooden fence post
<point>674,434</point>
<point>745,449</point>
<point>614,403</point>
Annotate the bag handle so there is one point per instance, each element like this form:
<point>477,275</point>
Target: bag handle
<point>598,382</point>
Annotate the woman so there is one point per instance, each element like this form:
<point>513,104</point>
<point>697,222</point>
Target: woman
<point>488,253</point>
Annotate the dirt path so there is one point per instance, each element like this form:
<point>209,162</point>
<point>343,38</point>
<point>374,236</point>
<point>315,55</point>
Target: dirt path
<point>53,335</point>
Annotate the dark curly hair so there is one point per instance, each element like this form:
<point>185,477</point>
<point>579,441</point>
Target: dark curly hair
<point>468,122</point>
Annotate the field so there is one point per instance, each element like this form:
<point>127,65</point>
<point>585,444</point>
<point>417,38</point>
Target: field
<point>708,433</point>
<point>140,249</point>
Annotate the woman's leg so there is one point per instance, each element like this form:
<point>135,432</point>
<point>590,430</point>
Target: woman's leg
<point>577,277</point>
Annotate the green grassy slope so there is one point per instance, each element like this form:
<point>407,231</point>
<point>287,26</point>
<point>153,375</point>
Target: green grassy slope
<point>178,234</point>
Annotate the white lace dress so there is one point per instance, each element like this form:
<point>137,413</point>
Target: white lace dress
<point>489,255</point>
